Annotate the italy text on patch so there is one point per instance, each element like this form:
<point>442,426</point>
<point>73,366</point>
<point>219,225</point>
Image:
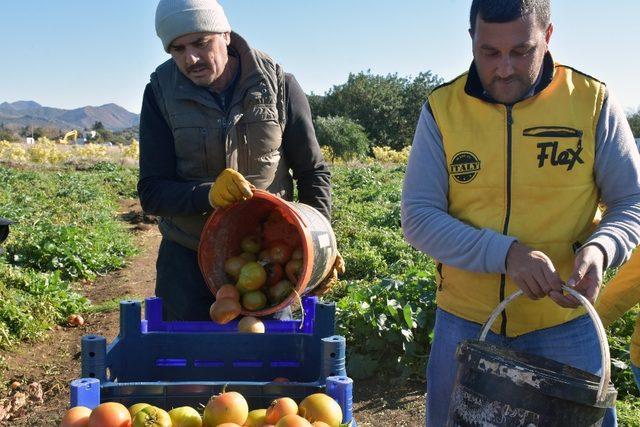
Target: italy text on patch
<point>464,167</point>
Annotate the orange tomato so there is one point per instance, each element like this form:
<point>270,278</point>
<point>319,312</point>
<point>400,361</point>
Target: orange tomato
<point>321,407</point>
<point>280,408</point>
<point>229,407</point>
<point>293,421</point>
<point>224,310</point>
<point>77,416</point>
<point>228,291</point>
<point>110,414</point>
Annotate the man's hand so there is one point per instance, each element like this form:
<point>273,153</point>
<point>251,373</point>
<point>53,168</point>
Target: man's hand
<point>535,274</point>
<point>332,278</point>
<point>230,187</point>
<point>587,274</point>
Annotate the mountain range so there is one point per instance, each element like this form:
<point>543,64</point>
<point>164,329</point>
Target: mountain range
<point>30,113</point>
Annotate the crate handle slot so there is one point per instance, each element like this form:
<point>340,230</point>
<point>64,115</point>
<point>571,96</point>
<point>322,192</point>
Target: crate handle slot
<point>248,363</point>
<point>285,364</point>
<point>208,363</point>
<point>171,362</point>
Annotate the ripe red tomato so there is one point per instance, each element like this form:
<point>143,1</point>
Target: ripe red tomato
<point>275,272</point>
<point>280,252</point>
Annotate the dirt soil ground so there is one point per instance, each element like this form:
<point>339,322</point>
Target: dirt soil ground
<point>37,375</point>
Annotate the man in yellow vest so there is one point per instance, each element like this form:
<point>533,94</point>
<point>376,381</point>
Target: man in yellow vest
<point>508,164</point>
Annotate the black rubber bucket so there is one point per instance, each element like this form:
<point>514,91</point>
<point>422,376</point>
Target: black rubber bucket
<point>496,386</point>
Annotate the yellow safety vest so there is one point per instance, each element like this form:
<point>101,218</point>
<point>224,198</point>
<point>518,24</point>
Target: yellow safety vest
<point>526,171</point>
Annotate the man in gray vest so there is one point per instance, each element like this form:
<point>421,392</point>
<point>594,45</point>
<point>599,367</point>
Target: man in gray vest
<point>217,118</point>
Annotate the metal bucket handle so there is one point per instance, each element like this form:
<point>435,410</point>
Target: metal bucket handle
<point>602,337</point>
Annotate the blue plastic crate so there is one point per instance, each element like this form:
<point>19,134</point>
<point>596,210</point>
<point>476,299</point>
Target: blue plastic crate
<point>170,364</point>
<point>197,351</point>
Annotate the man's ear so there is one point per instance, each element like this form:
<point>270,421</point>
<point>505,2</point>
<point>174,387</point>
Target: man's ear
<point>548,32</point>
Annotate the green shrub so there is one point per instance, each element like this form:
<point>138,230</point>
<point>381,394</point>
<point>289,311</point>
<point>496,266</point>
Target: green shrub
<point>346,139</point>
<point>386,322</point>
<point>619,335</point>
<point>32,302</point>
<point>65,221</point>
<point>388,325</point>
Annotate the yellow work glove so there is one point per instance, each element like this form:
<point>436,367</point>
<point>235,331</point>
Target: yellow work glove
<point>230,187</point>
<point>332,278</point>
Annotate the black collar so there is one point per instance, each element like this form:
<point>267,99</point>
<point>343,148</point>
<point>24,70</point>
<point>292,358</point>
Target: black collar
<point>474,87</point>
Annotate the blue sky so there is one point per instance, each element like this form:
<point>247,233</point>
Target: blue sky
<point>71,53</point>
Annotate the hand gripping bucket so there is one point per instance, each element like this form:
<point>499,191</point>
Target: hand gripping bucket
<point>500,387</point>
<point>223,231</point>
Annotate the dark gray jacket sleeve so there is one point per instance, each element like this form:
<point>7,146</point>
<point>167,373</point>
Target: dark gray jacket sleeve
<point>161,191</point>
<point>426,223</point>
<point>302,151</point>
<point>617,173</point>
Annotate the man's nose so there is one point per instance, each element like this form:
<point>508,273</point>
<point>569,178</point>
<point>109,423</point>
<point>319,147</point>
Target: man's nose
<point>191,57</point>
<point>505,67</point>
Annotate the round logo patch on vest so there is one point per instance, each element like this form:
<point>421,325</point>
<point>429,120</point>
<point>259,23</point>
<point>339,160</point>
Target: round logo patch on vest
<point>464,167</point>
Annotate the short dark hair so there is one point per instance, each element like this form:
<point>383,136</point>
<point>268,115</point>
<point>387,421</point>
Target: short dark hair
<point>509,10</point>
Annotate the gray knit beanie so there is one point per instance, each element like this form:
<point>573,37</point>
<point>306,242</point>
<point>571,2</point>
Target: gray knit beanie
<point>175,18</point>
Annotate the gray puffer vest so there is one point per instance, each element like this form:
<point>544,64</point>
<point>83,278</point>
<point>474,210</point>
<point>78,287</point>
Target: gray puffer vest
<point>248,138</point>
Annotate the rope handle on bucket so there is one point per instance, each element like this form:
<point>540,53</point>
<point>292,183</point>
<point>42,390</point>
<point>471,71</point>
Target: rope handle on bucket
<point>602,337</point>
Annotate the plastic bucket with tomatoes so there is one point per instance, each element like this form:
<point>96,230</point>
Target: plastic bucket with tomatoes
<point>307,227</point>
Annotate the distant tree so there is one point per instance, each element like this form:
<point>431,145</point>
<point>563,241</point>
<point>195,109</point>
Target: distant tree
<point>387,107</point>
<point>634,122</point>
<point>346,138</point>
<point>37,132</point>
<point>28,131</point>
<point>316,104</point>
<point>7,134</point>
<point>97,126</point>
